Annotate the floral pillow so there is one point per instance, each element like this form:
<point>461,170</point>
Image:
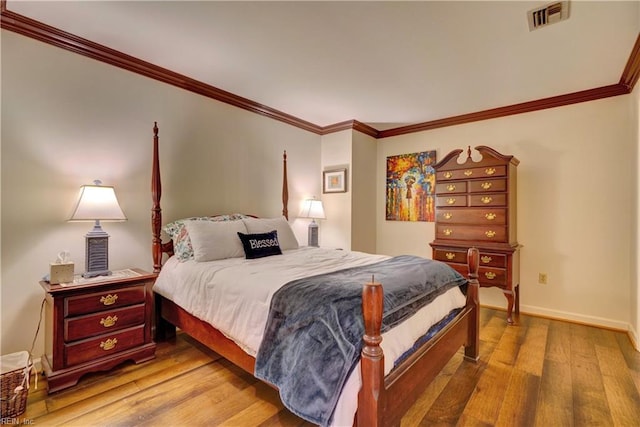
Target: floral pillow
<point>182,247</point>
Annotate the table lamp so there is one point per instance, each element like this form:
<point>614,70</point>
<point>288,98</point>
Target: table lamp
<point>313,209</point>
<point>97,203</point>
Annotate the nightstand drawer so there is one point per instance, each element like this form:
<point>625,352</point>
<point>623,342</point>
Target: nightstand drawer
<point>101,301</point>
<point>77,328</point>
<point>104,345</point>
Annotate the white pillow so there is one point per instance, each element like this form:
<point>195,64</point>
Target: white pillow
<point>212,240</point>
<point>264,225</point>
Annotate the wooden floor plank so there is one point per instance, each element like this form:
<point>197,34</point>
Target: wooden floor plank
<point>519,405</point>
<point>539,373</point>
<point>418,411</point>
<point>590,405</point>
<point>555,398</point>
<point>533,348</point>
<point>558,342</point>
<point>622,394</point>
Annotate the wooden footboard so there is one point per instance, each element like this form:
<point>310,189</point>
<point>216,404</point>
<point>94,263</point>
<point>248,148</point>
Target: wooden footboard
<point>382,400</point>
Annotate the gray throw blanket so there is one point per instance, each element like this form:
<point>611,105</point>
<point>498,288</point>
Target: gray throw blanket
<point>313,336</point>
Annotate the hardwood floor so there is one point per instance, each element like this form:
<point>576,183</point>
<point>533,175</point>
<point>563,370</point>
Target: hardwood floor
<point>540,373</point>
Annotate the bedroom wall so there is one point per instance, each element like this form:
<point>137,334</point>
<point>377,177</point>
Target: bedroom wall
<point>363,204</point>
<point>67,120</point>
<point>335,230</point>
<point>577,189</point>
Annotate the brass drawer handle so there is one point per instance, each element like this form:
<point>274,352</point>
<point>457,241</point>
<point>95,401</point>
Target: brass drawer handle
<point>490,171</point>
<point>451,200</point>
<point>468,173</point>
<point>448,175</point>
<point>108,344</point>
<point>490,216</point>
<point>490,233</point>
<point>447,232</point>
<point>447,215</point>
<point>490,275</point>
<point>109,299</point>
<point>109,321</point>
<point>486,259</point>
<point>451,187</point>
<point>486,200</point>
<point>450,255</point>
<point>486,185</point>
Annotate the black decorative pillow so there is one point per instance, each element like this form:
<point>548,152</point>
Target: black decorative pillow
<point>260,245</point>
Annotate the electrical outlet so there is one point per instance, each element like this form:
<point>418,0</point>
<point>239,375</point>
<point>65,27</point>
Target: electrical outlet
<point>542,278</point>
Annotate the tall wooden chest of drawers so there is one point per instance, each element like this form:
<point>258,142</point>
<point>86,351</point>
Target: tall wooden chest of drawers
<point>476,207</point>
<point>97,325</point>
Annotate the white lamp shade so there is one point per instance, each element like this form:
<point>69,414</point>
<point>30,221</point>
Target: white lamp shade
<point>312,208</point>
<point>97,202</point>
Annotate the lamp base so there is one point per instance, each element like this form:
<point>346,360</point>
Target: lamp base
<point>313,234</point>
<point>97,252</point>
<point>90,274</point>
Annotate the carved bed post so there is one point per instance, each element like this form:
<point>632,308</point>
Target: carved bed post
<point>285,187</point>
<point>472,347</point>
<point>370,404</point>
<point>156,211</point>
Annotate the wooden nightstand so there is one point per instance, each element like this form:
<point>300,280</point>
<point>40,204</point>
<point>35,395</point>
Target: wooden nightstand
<point>96,324</point>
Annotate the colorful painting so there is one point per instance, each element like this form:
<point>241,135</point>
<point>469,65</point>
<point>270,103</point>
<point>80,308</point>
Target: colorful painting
<point>411,184</point>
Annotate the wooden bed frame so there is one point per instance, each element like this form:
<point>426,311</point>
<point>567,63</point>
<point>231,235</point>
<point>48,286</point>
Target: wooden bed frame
<point>382,400</point>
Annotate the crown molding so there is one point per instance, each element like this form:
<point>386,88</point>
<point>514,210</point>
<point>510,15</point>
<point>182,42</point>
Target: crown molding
<point>352,125</point>
<point>631,71</point>
<point>45,33</point>
<point>525,107</point>
<point>37,30</point>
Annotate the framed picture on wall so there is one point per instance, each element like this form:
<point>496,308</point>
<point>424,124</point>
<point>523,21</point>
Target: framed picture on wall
<point>334,181</point>
<point>410,192</point>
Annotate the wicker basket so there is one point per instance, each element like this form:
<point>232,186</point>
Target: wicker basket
<point>14,383</point>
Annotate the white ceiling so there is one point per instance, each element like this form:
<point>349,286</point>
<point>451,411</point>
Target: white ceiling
<point>386,64</point>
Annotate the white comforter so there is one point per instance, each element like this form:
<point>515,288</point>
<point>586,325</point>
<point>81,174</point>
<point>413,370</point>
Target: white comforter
<point>234,296</point>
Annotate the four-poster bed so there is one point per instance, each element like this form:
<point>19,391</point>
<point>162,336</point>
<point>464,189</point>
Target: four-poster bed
<point>382,400</point>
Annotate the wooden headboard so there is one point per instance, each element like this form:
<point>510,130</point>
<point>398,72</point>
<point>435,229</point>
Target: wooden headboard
<point>158,247</point>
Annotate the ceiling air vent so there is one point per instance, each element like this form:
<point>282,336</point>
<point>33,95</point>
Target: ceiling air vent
<point>547,15</point>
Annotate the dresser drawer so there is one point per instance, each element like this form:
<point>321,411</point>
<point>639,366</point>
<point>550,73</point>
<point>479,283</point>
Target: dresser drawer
<point>471,173</point>
<point>485,185</point>
<point>100,301</point>
<point>493,260</point>
<point>452,200</point>
<point>492,277</point>
<point>104,345</point>
<point>487,277</point>
<point>451,187</point>
<point>77,328</point>
<point>467,232</point>
<point>472,216</point>
<point>450,255</point>
<point>460,256</point>
<point>488,200</point>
